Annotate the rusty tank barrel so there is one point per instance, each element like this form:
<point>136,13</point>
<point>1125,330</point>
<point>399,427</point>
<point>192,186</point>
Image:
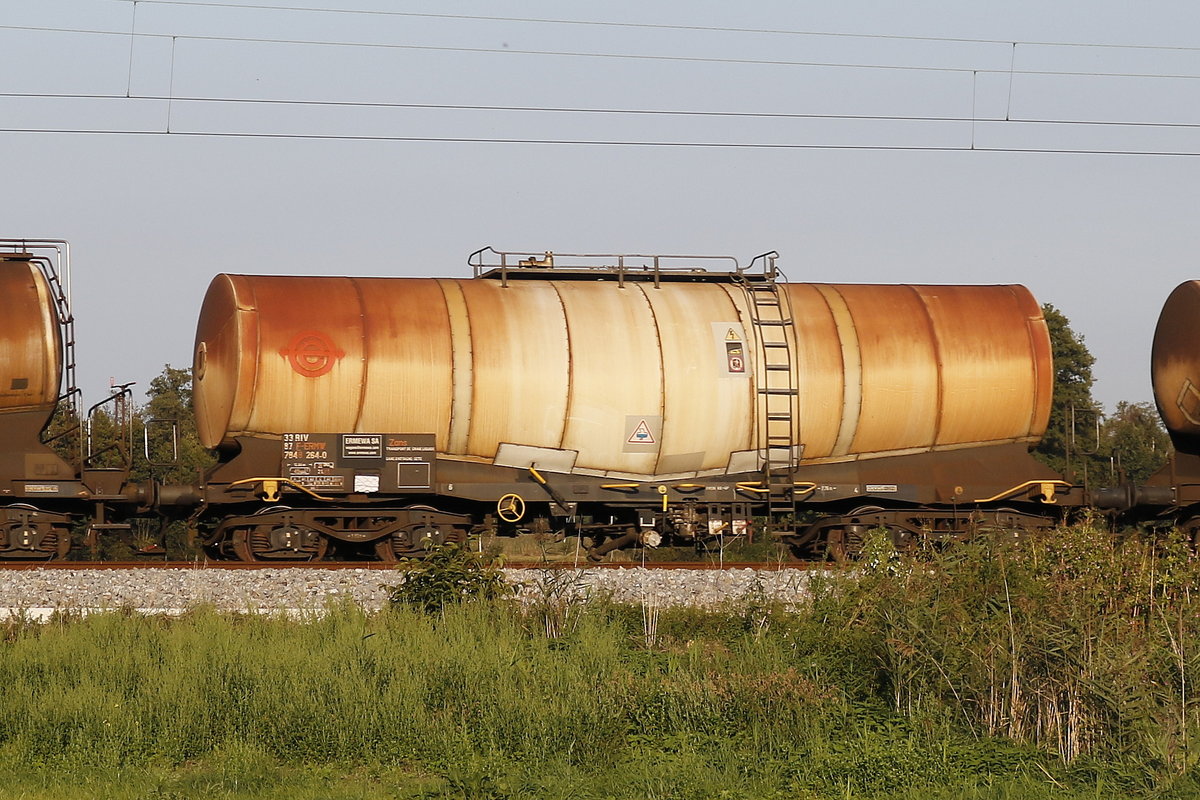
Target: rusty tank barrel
<point>627,379</point>
<point>30,346</point>
<point>1175,366</point>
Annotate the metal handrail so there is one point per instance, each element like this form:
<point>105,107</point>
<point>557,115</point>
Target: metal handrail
<point>482,260</point>
<point>121,398</point>
<point>767,261</point>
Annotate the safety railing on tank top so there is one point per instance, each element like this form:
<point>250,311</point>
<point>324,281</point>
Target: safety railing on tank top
<point>489,262</point>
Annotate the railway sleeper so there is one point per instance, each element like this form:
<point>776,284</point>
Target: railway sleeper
<point>312,534</point>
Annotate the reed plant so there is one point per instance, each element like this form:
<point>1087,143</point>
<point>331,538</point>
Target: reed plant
<point>1080,643</point>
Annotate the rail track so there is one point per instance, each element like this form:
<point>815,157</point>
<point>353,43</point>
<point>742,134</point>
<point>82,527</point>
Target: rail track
<point>382,566</point>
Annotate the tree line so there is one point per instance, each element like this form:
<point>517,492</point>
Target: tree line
<point>1081,440</point>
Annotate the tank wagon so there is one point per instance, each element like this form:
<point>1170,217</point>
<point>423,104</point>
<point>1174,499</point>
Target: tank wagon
<point>1172,495</point>
<point>42,493</point>
<point>626,399</point>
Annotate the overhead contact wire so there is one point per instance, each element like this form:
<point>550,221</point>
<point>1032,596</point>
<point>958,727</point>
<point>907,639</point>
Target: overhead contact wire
<point>630,56</point>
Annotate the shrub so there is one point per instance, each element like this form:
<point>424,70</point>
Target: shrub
<point>449,575</point>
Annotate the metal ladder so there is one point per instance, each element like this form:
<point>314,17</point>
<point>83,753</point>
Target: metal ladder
<point>66,319</point>
<point>771,317</point>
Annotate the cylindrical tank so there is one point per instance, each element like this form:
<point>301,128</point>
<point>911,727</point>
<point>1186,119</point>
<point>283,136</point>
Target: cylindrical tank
<point>1175,366</point>
<point>593,377</point>
<point>30,344</point>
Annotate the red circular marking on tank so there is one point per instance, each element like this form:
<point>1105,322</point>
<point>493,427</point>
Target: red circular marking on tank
<point>312,353</point>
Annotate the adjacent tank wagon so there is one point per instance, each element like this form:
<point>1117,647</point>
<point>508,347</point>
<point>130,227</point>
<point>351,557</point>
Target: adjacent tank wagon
<point>1172,494</point>
<point>45,492</point>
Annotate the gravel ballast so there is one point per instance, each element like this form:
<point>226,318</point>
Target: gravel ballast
<point>266,590</point>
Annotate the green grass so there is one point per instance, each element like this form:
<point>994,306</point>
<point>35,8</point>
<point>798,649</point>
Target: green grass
<point>1054,668</point>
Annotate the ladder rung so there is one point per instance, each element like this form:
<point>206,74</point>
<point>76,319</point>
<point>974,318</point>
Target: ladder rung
<point>772,322</point>
<point>774,344</point>
<point>779,417</point>
<point>779,367</point>
<point>779,391</point>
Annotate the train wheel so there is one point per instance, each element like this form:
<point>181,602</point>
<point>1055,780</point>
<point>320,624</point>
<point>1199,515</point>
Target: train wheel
<point>998,524</point>
<point>846,543</point>
<point>278,543</point>
<point>23,537</point>
<point>392,548</point>
<point>59,540</point>
<point>414,541</point>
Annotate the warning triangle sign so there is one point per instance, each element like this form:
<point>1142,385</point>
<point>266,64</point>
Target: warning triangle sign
<point>732,336</point>
<point>641,434</point>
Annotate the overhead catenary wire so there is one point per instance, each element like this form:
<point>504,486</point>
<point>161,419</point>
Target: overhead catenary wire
<point>507,51</point>
<point>972,118</point>
<point>608,142</point>
<point>650,112</point>
<point>647,25</point>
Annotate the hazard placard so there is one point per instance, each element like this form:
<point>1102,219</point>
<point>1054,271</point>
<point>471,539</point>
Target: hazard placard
<point>735,358</point>
<point>730,349</point>
<point>641,434</point>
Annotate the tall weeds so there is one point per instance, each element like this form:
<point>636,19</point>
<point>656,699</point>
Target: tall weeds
<point>1078,642</point>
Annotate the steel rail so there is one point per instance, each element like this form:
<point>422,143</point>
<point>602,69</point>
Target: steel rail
<point>380,565</point>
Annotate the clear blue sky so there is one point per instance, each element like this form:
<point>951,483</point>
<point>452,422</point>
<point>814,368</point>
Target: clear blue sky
<point>870,111</point>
